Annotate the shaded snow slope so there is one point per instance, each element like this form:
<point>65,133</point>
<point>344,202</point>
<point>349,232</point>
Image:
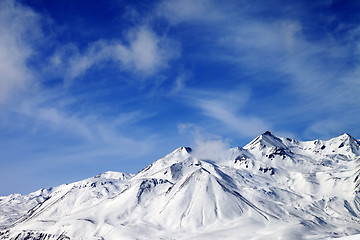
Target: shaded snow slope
<point>274,188</point>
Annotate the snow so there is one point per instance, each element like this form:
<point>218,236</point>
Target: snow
<point>273,188</point>
<point>353,237</point>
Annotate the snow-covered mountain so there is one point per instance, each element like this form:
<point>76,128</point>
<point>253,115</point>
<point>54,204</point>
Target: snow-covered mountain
<point>273,188</point>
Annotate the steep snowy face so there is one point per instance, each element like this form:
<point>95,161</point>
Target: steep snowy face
<point>279,188</point>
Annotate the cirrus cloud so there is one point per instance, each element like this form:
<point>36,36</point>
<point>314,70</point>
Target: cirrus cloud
<point>19,30</point>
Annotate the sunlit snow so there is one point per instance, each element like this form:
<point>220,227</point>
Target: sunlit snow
<point>272,188</point>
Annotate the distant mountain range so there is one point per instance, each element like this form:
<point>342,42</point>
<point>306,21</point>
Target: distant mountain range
<point>272,188</point>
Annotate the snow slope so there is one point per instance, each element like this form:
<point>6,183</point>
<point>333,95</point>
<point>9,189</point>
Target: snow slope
<point>274,188</point>
<point>16,207</point>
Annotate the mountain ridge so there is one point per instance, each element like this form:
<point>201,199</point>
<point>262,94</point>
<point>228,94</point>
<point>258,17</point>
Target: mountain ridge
<point>277,187</point>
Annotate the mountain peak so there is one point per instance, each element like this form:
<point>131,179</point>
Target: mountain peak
<point>187,149</point>
<point>345,138</point>
<point>267,133</point>
<point>270,181</point>
<point>346,141</point>
<point>267,139</point>
<point>178,155</point>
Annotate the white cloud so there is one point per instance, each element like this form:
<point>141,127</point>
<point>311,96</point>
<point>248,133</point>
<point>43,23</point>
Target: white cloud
<point>19,26</point>
<point>59,121</point>
<point>92,133</point>
<point>321,76</point>
<point>143,54</point>
<point>227,108</point>
<point>91,127</point>
<point>245,125</point>
<point>312,70</point>
<point>179,83</point>
<point>278,45</point>
<point>147,52</point>
<point>48,112</point>
<point>207,146</point>
<point>211,149</point>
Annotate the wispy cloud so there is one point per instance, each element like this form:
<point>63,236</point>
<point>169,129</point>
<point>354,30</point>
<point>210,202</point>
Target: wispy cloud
<point>86,128</point>
<point>312,69</point>
<point>143,54</point>
<point>180,82</point>
<point>19,27</point>
<point>308,70</point>
<point>228,109</point>
<point>206,146</point>
<point>40,113</point>
<point>235,68</point>
<point>82,133</point>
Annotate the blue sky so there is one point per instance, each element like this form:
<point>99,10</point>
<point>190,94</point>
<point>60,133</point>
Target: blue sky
<point>90,86</point>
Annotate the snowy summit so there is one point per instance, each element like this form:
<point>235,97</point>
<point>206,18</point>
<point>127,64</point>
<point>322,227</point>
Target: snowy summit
<point>272,188</point>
